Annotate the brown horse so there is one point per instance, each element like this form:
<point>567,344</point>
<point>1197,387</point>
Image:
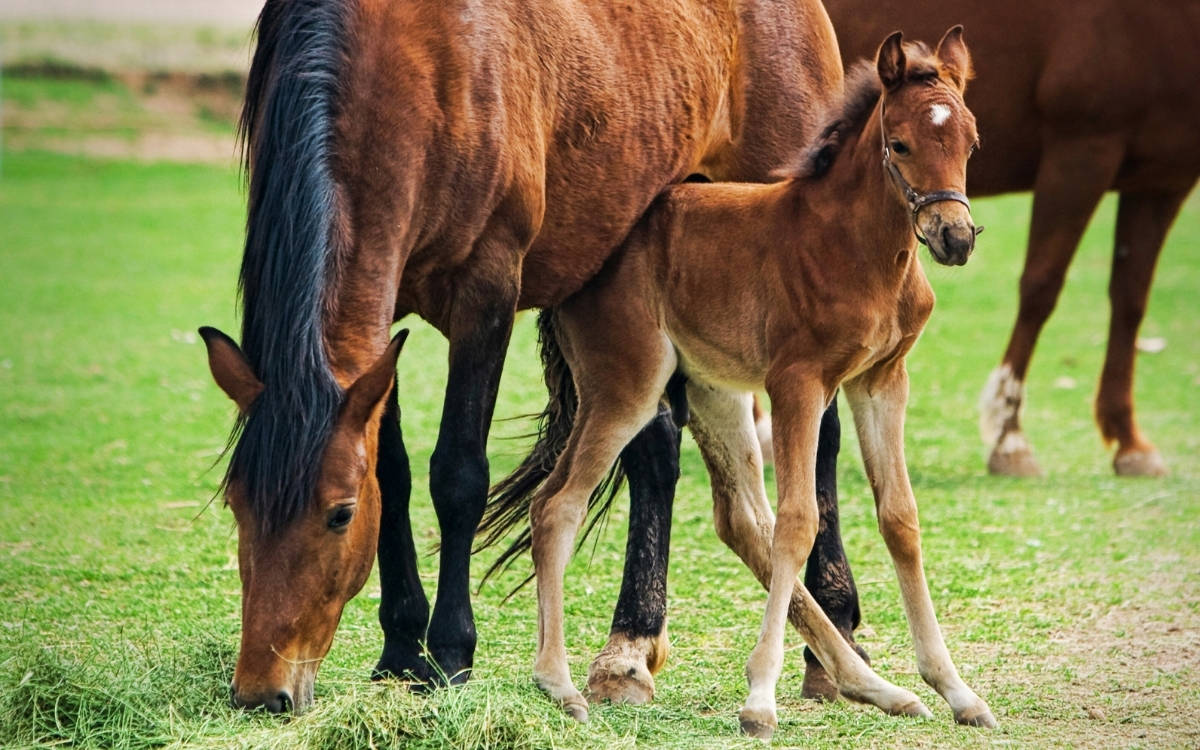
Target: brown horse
<point>457,160</point>
<point>837,299</point>
<point>1076,97</point>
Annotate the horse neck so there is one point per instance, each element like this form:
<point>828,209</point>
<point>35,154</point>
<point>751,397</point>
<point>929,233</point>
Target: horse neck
<point>875,230</point>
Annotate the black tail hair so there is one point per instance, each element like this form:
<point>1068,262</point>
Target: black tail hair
<point>510,499</point>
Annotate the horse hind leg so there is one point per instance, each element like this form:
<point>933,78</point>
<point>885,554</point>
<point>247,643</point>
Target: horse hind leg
<point>1142,222</point>
<point>827,574</point>
<point>1073,175</point>
<point>637,647</point>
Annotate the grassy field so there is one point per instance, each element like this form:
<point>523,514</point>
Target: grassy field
<point>1071,603</point>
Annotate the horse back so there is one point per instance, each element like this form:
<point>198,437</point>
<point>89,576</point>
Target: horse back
<point>556,123</point>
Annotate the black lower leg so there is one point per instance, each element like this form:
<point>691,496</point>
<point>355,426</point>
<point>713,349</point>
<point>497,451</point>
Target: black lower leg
<point>403,608</point>
<point>828,575</point>
<point>458,474</point>
<point>651,462</point>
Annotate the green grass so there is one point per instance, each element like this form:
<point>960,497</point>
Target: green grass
<point>1058,596</point>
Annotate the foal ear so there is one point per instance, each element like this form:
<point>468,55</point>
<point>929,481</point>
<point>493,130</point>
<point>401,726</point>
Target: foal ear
<point>954,57</point>
<point>890,61</point>
<point>370,388</point>
<point>230,368</point>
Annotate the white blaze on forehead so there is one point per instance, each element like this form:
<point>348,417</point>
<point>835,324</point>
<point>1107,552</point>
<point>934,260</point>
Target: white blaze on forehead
<point>939,113</point>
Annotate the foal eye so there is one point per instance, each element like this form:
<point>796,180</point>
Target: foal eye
<point>899,148</point>
<point>340,516</point>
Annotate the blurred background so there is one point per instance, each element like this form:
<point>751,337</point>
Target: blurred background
<point>124,78</point>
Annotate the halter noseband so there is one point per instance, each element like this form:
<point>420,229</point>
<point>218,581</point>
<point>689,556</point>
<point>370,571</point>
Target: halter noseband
<point>916,201</point>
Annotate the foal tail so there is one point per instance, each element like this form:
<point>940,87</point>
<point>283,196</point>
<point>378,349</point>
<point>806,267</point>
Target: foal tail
<point>510,499</point>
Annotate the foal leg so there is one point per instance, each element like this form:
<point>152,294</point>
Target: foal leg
<point>1142,223</point>
<point>637,643</point>
<point>878,409</point>
<point>1072,176</point>
<point>403,608</point>
<point>619,384</point>
<point>798,405</point>
<point>723,429</point>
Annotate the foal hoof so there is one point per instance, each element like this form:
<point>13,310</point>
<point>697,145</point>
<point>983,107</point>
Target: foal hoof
<point>915,708</point>
<point>1012,457</point>
<point>758,724</point>
<point>979,717</point>
<point>577,711</point>
<point>1140,463</point>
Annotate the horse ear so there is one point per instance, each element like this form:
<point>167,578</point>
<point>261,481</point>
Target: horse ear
<point>956,60</point>
<point>371,387</point>
<point>230,368</point>
<point>890,61</point>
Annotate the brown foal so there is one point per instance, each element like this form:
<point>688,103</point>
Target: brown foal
<point>801,287</point>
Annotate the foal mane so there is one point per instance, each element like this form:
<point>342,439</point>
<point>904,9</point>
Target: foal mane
<point>862,91</point>
<point>292,237</point>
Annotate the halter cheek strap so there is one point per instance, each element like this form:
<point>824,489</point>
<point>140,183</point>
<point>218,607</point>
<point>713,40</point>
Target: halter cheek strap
<point>916,201</point>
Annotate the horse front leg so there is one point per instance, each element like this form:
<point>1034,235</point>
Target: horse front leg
<point>1142,223</point>
<point>798,399</point>
<point>479,328</point>
<point>878,400</point>
<point>403,607</point>
<point>637,646</point>
<point>827,574</point>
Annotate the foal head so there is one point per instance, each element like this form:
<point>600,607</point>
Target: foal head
<point>927,136</point>
<point>299,568</point>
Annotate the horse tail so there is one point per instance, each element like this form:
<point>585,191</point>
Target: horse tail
<point>293,236</point>
<point>510,499</point>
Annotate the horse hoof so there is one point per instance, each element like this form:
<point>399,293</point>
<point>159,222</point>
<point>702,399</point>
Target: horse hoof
<point>1140,463</point>
<point>577,710</point>
<point>976,718</point>
<point>818,685</point>
<point>758,724</point>
<point>403,666</point>
<point>915,709</point>
<point>620,682</point>
<point>1013,461</point>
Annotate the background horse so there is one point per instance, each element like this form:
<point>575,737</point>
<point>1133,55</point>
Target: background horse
<point>1074,98</point>
<point>459,163</point>
<point>837,297</point>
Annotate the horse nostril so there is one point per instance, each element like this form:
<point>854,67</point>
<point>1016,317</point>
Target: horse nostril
<point>233,697</point>
<point>281,703</point>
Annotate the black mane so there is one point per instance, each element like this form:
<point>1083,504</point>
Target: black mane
<point>291,246</point>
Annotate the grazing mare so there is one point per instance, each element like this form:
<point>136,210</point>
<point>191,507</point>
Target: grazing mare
<point>459,161</point>
<point>801,287</point>
<point>1076,97</point>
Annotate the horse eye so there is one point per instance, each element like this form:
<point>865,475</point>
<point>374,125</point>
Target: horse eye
<point>340,517</point>
<point>899,148</point>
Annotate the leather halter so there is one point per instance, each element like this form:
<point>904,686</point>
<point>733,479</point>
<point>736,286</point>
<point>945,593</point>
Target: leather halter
<point>916,201</point>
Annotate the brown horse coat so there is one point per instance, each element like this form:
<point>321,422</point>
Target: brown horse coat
<point>802,287</point>
<point>1073,97</point>
<point>458,160</point>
